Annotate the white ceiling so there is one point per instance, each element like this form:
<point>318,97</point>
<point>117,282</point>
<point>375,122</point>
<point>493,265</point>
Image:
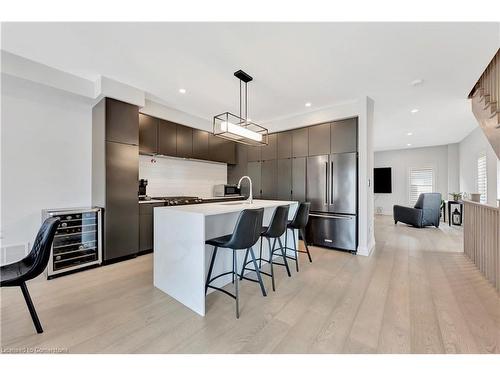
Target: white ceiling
<point>292,63</point>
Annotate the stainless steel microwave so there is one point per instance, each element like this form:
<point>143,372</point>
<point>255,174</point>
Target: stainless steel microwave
<point>226,190</point>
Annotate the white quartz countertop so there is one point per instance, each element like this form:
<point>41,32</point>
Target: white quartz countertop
<point>208,209</point>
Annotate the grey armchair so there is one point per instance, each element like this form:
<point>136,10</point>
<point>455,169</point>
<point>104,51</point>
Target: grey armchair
<point>426,212</point>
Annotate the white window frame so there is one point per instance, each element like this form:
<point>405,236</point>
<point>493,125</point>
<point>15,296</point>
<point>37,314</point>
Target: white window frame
<point>482,186</point>
<point>433,187</point>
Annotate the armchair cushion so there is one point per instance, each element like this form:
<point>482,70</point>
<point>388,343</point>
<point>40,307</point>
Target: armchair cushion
<point>408,215</point>
<point>426,211</point>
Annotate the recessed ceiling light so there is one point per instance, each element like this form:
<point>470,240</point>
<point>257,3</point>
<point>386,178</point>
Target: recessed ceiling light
<point>414,110</point>
<point>408,144</point>
<point>417,82</point>
<point>308,104</point>
<point>182,91</point>
<point>409,133</point>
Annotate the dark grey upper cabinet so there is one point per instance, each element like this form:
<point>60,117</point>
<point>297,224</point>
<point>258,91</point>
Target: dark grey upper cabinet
<point>236,171</point>
<point>184,141</point>
<point>167,138</point>
<point>300,142</point>
<point>319,139</point>
<point>215,148</point>
<point>299,179</point>
<point>269,181</point>
<point>284,145</point>
<point>221,150</point>
<point>229,152</point>
<point>344,136</point>
<point>270,151</point>
<point>148,134</point>
<point>284,179</point>
<point>254,170</point>
<point>122,122</point>
<point>122,212</point>
<point>200,144</point>
<point>254,153</point>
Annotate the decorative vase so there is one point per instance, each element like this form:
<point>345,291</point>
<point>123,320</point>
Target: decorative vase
<point>475,197</point>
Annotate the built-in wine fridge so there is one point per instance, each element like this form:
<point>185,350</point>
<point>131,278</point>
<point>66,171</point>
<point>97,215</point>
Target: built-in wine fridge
<point>77,242</point>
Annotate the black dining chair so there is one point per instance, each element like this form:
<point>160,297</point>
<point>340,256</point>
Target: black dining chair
<point>16,274</point>
<point>246,234</point>
<point>277,227</point>
<point>299,223</point>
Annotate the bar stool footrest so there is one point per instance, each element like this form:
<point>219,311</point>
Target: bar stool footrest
<point>262,272</point>
<point>223,291</point>
<point>216,277</point>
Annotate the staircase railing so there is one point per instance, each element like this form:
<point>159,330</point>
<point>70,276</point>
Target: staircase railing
<point>489,82</point>
<point>482,239</point>
<point>485,101</point>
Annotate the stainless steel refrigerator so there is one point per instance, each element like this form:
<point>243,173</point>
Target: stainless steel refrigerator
<point>332,189</point>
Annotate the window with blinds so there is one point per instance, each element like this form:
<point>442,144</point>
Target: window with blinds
<point>482,178</point>
<point>421,181</point>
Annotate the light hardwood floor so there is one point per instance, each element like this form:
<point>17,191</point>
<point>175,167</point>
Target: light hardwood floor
<point>417,293</point>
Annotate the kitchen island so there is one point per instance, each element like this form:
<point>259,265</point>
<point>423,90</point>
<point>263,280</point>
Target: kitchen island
<point>181,258</point>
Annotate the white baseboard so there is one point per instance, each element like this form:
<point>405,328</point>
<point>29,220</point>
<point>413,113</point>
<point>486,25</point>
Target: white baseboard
<point>366,250</point>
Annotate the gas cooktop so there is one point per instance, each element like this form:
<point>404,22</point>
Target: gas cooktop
<point>179,201</point>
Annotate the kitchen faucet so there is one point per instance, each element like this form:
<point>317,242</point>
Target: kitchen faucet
<point>250,197</point>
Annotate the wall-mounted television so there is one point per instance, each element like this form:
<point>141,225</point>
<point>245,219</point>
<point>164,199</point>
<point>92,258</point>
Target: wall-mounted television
<point>382,180</point>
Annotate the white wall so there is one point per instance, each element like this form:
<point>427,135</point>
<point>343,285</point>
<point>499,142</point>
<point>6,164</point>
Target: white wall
<point>443,160</point>
<point>174,176</point>
<point>46,155</point>
<point>470,148</point>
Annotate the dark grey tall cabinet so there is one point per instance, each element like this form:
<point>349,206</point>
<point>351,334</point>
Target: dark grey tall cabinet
<point>115,174</point>
<point>299,179</point>
<point>284,185</point>
<point>254,170</point>
<point>269,179</point>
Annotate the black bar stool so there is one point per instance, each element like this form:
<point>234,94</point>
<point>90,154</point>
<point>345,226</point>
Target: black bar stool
<point>246,234</point>
<point>299,223</point>
<point>275,230</point>
<point>16,274</point>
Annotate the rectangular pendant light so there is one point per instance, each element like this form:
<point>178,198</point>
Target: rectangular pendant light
<point>232,127</point>
<point>240,128</point>
<point>241,131</point>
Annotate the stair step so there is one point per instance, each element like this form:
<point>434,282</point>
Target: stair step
<point>486,99</point>
<point>492,107</point>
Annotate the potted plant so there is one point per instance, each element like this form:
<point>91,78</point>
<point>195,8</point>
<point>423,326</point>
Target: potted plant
<point>457,197</point>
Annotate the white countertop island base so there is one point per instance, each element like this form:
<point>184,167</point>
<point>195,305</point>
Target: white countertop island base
<point>181,258</point>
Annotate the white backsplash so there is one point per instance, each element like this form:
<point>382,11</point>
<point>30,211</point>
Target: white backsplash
<point>172,176</point>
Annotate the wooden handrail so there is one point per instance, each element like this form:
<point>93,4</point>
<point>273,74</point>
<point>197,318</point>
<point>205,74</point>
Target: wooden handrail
<point>482,239</point>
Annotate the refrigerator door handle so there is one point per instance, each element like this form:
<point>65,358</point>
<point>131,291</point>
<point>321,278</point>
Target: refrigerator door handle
<point>326,183</point>
<point>333,217</point>
<point>332,194</point>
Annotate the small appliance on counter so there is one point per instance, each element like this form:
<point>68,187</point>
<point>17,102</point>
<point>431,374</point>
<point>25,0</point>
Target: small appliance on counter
<point>142,190</point>
<point>78,240</point>
<point>225,190</point>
